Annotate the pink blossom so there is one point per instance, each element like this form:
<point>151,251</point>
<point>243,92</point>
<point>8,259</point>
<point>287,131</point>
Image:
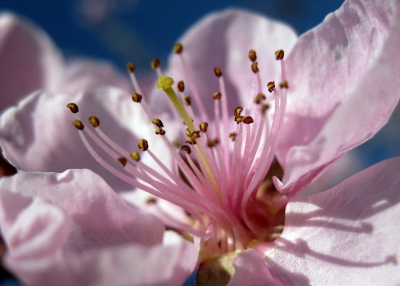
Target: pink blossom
<point>334,89</point>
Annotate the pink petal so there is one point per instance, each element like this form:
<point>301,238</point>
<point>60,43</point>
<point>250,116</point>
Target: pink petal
<point>343,87</point>
<point>348,234</point>
<point>224,40</point>
<point>28,59</point>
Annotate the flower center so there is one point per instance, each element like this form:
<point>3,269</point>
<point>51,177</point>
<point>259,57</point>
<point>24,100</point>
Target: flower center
<point>221,176</point>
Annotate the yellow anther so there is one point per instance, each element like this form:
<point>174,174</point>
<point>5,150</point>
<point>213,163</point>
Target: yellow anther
<point>188,133</point>
<point>191,141</point>
<point>155,63</point>
<point>160,131</point>
<point>239,119</point>
<point>188,100</point>
<point>178,48</point>
<point>181,86</point>
<point>135,156</point>
<point>94,121</point>
<point>233,136</point>
<point>195,135</point>
<point>254,67</point>
<point>217,71</point>
<point>203,126</point>
<point>158,122</point>
<point>136,97</point>
<point>143,144</point>
<point>260,97</point>
<point>238,111</point>
<point>284,84</point>
<point>212,142</point>
<point>248,120</point>
<point>122,160</point>
<point>164,82</point>
<point>78,124</point>
<point>217,95</point>
<point>279,54</point>
<point>271,86</point>
<point>186,148</point>
<point>130,67</point>
<point>252,55</point>
<point>73,107</point>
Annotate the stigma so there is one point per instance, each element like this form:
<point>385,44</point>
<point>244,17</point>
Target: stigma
<point>223,159</point>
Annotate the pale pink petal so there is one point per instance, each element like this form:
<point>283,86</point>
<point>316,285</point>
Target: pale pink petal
<point>38,135</point>
<point>348,234</point>
<point>28,59</point>
<point>343,87</point>
<point>224,40</point>
<point>251,269</point>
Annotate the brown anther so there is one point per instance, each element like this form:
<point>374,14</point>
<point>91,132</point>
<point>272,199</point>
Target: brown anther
<point>248,120</point>
<point>78,124</point>
<point>217,95</point>
<point>284,84</point>
<point>136,97</point>
<point>123,161</point>
<point>238,110</point>
<point>233,136</point>
<point>279,54</point>
<point>178,48</point>
<point>203,126</point>
<point>181,86</point>
<point>151,201</point>
<point>130,67</point>
<point>160,131</point>
<point>254,67</point>
<point>217,71</point>
<point>195,135</point>
<point>191,141</point>
<point>260,97</point>
<point>158,122</point>
<point>187,99</point>
<point>135,156</point>
<point>271,86</point>
<point>188,133</point>
<point>239,119</point>
<point>186,148</point>
<point>94,121</point>
<point>73,107</point>
<point>155,63</point>
<point>212,142</point>
<point>143,144</point>
<point>264,108</point>
<point>252,55</point>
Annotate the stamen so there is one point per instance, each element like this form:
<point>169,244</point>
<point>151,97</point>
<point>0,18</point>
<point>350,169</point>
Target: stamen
<point>186,148</point>
<point>143,144</point>
<point>158,122</point>
<point>203,127</point>
<point>279,54</point>
<point>233,136</point>
<point>160,131</point>
<point>178,48</point>
<point>135,156</point>
<point>248,120</point>
<point>252,55</point>
<point>136,97</point>
<point>131,67</point>
<point>284,84</point>
<point>271,86</point>
<point>73,107</point>
<point>131,70</point>
<point>217,72</point>
<point>188,100</point>
<point>238,111</point>
<point>212,142</point>
<point>217,95</point>
<point>181,86</point>
<point>260,97</point>
<point>254,67</point>
<point>123,161</point>
<point>155,63</point>
<point>94,121</point>
<point>78,124</point>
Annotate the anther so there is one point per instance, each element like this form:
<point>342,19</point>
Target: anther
<point>94,121</point>
<point>130,67</point>
<point>264,108</point>
<point>78,124</point>
<point>248,120</point>
<point>158,122</point>
<point>254,67</point>
<point>212,142</point>
<point>233,136</point>
<point>143,144</point>
<point>155,63</point>
<point>284,84</point>
<point>135,156</point>
<point>239,119</point>
<point>186,148</point>
<point>122,160</point>
<point>181,86</point>
<point>73,107</point>
<point>188,100</point>
<point>260,97</point>
<point>279,54</point>
<point>217,71</point>
<point>217,95</point>
<point>188,133</point>
<point>195,135</point>
<point>203,127</point>
<point>136,97</point>
<point>271,86</point>
<point>151,201</point>
<point>178,48</point>
<point>191,141</point>
<point>252,55</point>
<point>238,110</point>
<point>160,131</point>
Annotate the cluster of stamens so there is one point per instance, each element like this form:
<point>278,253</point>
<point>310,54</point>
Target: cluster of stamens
<point>221,170</point>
